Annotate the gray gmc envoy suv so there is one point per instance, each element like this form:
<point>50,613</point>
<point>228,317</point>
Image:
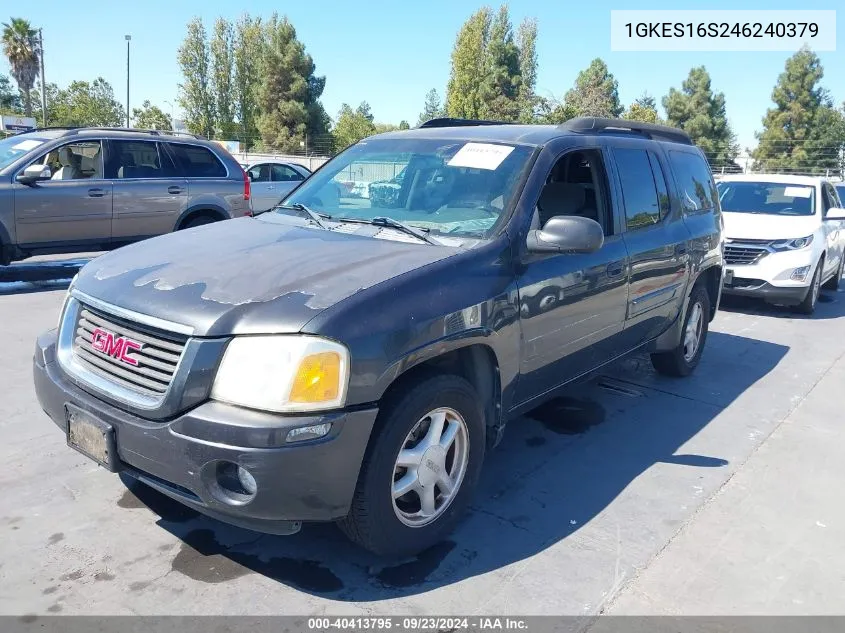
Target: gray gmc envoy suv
<point>346,357</point>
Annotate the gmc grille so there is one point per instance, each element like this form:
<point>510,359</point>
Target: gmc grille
<point>157,357</point>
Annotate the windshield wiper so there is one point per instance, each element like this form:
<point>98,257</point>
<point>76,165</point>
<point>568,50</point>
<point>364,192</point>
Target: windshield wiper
<point>405,228</point>
<point>315,217</point>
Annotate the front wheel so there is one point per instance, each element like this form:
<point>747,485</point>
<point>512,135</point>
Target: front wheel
<point>808,305</point>
<point>683,360</point>
<point>420,470</point>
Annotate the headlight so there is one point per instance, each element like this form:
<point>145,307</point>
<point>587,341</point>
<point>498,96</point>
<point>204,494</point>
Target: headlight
<point>65,302</point>
<point>283,373</point>
<point>792,245</point>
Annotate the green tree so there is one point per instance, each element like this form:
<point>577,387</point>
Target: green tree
<point>803,131</point>
<point>22,49</point>
<point>596,92</point>
<point>432,108</point>
<point>643,109</point>
<point>526,40</point>
<point>289,95</point>
<point>469,67</point>
<point>10,100</point>
<point>701,113</point>
<point>195,93</point>
<point>85,103</point>
<point>222,80</point>
<point>151,117</point>
<point>551,111</point>
<point>500,88</point>
<point>353,125</point>
<point>248,54</point>
<point>404,125</point>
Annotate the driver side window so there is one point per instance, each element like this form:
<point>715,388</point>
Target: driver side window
<point>577,185</point>
<point>74,161</point>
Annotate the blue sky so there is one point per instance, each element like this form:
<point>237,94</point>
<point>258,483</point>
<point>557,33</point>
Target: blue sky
<point>390,54</point>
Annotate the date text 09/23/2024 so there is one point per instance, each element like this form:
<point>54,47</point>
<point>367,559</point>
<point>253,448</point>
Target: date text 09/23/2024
<point>421,623</point>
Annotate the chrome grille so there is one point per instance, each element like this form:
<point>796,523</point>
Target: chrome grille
<point>157,358</point>
<point>743,253</point>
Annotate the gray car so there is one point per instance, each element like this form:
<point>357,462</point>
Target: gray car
<point>272,180</point>
<point>65,190</point>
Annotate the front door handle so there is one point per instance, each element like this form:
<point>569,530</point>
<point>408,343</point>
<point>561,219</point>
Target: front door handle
<point>96,193</point>
<point>680,249</point>
<point>614,269</point>
<point>174,189</point>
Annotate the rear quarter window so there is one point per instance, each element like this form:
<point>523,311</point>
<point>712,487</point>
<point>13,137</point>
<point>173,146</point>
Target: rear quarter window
<point>195,161</point>
<point>694,181</point>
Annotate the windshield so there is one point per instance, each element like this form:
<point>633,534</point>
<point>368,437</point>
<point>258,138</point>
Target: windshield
<point>446,186</point>
<point>14,147</point>
<point>770,198</point>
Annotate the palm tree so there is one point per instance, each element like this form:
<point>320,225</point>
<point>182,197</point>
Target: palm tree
<point>21,47</point>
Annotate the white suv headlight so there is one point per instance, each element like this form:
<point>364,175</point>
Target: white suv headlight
<point>793,245</point>
<point>283,373</point>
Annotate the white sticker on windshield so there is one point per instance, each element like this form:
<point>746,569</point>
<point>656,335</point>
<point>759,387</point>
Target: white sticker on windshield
<point>797,192</point>
<point>27,145</point>
<point>480,156</point>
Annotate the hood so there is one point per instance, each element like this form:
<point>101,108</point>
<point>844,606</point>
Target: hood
<point>248,275</point>
<point>761,226</point>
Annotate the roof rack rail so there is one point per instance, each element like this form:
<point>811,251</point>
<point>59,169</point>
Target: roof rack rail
<point>75,129</point>
<point>649,130</point>
<point>451,122</point>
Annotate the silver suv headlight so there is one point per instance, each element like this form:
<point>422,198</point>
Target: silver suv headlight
<point>283,373</point>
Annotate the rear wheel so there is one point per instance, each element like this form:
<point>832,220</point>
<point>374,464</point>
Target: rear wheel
<point>198,221</point>
<point>808,305</point>
<point>833,282</point>
<point>683,360</point>
<point>420,470</point>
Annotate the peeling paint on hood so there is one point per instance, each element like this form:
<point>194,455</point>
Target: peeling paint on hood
<point>247,275</point>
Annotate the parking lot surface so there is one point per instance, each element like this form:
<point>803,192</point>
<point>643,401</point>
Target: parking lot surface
<point>632,494</point>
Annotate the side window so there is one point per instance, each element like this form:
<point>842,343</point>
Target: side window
<point>137,159</point>
<point>639,191</point>
<point>196,161</point>
<point>829,197</point>
<point>260,173</point>
<point>283,173</point>
<point>75,161</point>
<point>695,183</point>
<point>577,185</point>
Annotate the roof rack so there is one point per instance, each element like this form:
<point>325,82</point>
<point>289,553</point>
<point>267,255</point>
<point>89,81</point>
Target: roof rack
<point>450,122</point>
<point>649,130</point>
<point>70,129</point>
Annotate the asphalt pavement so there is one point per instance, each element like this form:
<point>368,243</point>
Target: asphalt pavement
<point>716,494</point>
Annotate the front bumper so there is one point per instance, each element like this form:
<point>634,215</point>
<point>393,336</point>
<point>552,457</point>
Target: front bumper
<point>308,481</point>
<point>759,289</point>
<point>770,277</point>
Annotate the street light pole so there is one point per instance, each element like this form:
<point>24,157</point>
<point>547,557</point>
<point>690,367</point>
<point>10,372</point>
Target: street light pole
<point>128,38</point>
<point>43,83</point>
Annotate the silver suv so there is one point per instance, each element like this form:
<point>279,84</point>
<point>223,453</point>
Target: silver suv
<point>64,190</point>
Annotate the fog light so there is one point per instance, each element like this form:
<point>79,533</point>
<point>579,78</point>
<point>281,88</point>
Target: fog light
<point>309,432</point>
<point>800,274</point>
<point>247,481</point>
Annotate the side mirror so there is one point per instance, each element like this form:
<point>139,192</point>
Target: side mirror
<point>835,213</point>
<point>33,174</point>
<point>567,234</point>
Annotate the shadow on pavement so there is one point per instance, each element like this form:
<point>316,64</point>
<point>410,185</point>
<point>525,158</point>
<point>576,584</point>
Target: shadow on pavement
<point>39,276</point>
<point>831,305</point>
<point>556,469</point>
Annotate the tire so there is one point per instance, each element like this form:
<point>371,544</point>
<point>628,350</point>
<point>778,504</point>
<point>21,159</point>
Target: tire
<point>201,220</point>
<point>683,360</point>
<point>808,305</point>
<point>397,527</point>
<point>833,282</point>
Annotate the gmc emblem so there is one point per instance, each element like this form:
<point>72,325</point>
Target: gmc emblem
<point>118,347</point>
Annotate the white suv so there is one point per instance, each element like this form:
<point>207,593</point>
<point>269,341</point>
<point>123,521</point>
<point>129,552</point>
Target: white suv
<point>784,237</point>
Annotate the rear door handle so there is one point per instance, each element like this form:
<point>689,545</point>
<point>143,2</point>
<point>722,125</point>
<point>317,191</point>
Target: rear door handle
<point>174,189</point>
<point>614,269</point>
<point>96,193</point>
